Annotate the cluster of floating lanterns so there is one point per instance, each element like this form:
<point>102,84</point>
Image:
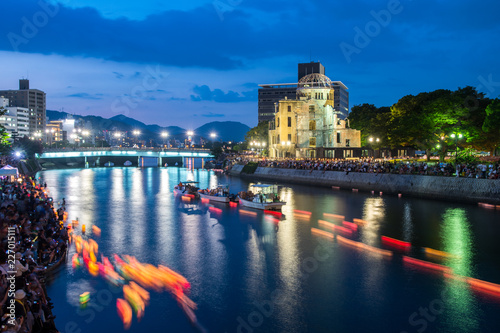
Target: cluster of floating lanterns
<point>134,277</point>
<point>344,233</point>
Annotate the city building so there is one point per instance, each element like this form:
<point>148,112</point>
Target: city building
<point>271,94</point>
<point>15,120</point>
<point>32,99</point>
<point>310,125</point>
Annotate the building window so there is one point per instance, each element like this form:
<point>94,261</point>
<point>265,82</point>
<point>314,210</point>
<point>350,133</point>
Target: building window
<point>312,125</point>
<point>289,108</point>
<point>278,123</point>
<point>311,108</point>
<point>289,121</point>
<point>290,137</point>
<point>312,142</point>
<point>278,139</point>
<point>347,142</point>
<point>338,137</point>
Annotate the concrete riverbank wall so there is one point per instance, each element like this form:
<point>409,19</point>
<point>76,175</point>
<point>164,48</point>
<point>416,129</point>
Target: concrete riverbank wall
<point>430,187</point>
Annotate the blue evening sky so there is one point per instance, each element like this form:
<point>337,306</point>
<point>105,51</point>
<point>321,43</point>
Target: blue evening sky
<point>186,63</point>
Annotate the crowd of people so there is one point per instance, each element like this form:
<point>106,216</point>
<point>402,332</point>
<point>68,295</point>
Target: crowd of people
<point>480,170</point>
<point>33,240</point>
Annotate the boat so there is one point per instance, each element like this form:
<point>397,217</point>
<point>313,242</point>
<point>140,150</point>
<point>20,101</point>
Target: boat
<point>265,197</point>
<point>219,194</point>
<point>109,164</point>
<point>185,188</point>
<point>127,163</point>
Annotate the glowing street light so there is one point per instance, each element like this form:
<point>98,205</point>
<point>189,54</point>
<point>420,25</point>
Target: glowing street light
<point>213,135</point>
<point>190,133</point>
<point>164,134</point>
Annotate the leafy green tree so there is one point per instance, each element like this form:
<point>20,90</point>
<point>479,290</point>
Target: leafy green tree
<point>491,125</point>
<point>4,136</point>
<point>371,121</point>
<point>258,133</point>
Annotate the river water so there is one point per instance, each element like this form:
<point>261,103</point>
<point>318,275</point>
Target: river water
<point>254,274</point>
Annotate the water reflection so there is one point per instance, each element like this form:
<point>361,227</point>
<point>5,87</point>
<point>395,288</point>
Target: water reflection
<point>117,204</point>
<point>374,213</point>
<point>407,223</point>
<point>457,240</point>
<point>137,210</point>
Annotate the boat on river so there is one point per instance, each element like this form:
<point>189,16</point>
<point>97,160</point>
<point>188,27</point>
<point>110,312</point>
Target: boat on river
<point>265,197</point>
<point>188,187</point>
<point>219,194</point>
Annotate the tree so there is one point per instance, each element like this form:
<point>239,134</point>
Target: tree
<point>258,133</point>
<point>491,125</point>
<point>371,121</point>
<point>4,136</point>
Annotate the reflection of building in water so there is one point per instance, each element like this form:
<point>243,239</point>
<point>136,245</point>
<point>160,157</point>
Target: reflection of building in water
<point>310,125</point>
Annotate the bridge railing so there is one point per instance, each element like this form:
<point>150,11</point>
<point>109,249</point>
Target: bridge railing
<point>84,149</point>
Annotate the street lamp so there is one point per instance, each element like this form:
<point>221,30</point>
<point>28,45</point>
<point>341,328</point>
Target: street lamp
<point>164,135</point>
<point>189,134</point>
<point>456,137</point>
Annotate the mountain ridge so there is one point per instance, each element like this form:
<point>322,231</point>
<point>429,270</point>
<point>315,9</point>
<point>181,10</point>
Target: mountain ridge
<point>224,130</point>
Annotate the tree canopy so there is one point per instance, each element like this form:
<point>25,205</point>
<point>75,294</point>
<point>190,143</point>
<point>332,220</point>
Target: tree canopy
<point>441,119</point>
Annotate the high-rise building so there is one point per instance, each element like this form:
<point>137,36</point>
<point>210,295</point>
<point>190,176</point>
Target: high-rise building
<point>32,99</point>
<point>271,94</point>
<point>310,68</point>
<point>309,125</point>
<point>15,120</point>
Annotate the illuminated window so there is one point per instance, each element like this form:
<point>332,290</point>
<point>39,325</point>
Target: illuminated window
<point>312,125</point>
<point>312,142</point>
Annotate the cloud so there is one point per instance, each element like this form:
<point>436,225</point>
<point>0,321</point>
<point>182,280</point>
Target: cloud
<point>118,75</point>
<point>204,93</point>
<point>213,115</point>
<point>86,96</point>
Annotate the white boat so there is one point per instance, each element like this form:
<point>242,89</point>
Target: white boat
<point>127,163</point>
<point>186,188</point>
<point>265,198</point>
<point>219,194</point>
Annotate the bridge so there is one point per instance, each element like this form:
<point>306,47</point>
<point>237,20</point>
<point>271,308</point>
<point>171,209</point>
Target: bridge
<point>96,156</point>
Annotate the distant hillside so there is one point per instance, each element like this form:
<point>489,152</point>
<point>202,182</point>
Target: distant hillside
<point>225,130</point>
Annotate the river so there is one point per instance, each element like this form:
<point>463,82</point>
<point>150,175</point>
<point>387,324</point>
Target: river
<point>254,274</point>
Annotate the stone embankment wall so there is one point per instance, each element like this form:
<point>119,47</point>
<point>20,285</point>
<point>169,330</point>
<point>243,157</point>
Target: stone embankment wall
<point>443,188</point>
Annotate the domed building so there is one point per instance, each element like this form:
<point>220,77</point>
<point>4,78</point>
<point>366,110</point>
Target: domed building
<point>309,126</point>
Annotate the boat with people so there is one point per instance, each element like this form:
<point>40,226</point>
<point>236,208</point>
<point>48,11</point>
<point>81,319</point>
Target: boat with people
<point>263,196</point>
<point>187,187</point>
<point>219,194</point>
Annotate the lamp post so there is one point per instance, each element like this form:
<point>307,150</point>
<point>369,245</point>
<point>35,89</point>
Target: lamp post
<point>117,135</point>
<point>189,134</point>
<point>136,134</point>
<point>456,137</point>
<point>371,140</point>
<point>164,135</point>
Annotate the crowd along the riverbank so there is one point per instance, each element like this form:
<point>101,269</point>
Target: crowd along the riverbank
<point>33,241</point>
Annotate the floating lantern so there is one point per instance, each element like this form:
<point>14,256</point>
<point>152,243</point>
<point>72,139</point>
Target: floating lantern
<point>233,204</point>
<point>396,243</point>
<point>359,221</point>
<point>355,190</point>
<point>350,225</point>
<point>83,228</point>
<point>272,212</point>
<point>85,297</point>
<point>322,233</point>
<point>427,265</point>
<point>124,312</point>
<point>246,212</point>
<point>96,231</point>
<point>334,216</point>
<point>205,200</point>
<point>336,187</point>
